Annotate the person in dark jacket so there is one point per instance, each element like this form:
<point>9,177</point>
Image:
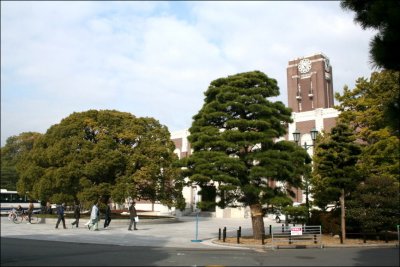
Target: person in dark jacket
<point>107,216</point>
<point>60,212</point>
<point>132,215</point>
<point>20,210</point>
<point>77,214</point>
<point>30,211</point>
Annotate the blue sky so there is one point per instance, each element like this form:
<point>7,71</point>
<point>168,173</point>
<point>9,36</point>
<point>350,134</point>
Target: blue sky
<point>157,58</point>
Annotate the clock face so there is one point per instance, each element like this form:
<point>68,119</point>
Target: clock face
<point>304,65</point>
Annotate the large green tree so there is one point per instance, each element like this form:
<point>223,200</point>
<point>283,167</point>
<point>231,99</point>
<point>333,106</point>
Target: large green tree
<point>383,16</point>
<point>374,205</point>
<point>14,149</point>
<point>335,174</point>
<point>236,147</point>
<point>101,154</point>
<point>366,108</point>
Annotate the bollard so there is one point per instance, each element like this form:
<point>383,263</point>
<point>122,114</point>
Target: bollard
<point>270,229</point>
<point>290,240</point>
<point>219,234</point>
<point>224,234</point>
<point>283,228</point>
<point>240,231</point>
<point>237,236</point>
<point>315,239</point>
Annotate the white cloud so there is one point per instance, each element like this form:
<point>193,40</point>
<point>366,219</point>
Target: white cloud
<point>157,58</point>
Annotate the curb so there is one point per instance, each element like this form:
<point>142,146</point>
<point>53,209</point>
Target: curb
<point>216,242</point>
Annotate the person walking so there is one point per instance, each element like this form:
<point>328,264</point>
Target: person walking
<point>132,215</point>
<point>77,214</point>
<point>60,212</point>
<point>94,218</point>
<point>48,208</point>
<point>107,215</point>
<point>30,211</point>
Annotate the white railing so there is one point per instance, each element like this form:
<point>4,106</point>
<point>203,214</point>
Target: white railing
<point>296,235</point>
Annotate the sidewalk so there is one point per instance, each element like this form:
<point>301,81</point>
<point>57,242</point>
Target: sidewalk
<point>176,232</point>
<point>158,233</point>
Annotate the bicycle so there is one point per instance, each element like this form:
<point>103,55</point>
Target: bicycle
<point>11,215</point>
<point>19,217</point>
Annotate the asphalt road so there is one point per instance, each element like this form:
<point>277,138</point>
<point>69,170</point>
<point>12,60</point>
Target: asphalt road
<point>27,252</point>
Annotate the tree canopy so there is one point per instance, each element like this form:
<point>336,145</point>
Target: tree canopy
<point>236,147</point>
<point>15,148</point>
<point>101,154</point>
<point>383,16</point>
<point>367,108</point>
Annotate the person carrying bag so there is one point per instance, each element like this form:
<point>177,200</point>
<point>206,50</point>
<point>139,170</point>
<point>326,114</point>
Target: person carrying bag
<point>133,216</point>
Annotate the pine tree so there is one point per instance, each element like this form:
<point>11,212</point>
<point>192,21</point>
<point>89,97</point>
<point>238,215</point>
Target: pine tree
<point>235,151</point>
<point>335,174</point>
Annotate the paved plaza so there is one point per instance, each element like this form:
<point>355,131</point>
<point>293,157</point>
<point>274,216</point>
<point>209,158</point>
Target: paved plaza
<point>160,233</point>
<point>174,232</point>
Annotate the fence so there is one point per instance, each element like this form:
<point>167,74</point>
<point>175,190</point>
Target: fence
<point>301,234</point>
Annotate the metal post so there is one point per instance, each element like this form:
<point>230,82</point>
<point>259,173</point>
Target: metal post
<point>219,234</point>
<point>237,236</point>
<point>270,229</point>
<point>240,231</point>
<point>197,227</point>
<point>224,234</point>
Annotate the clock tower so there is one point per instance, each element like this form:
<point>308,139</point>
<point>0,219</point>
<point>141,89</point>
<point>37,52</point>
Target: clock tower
<point>310,96</point>
<point>309,81</point>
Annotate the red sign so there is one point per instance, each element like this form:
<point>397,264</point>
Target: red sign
<point>296,231</point>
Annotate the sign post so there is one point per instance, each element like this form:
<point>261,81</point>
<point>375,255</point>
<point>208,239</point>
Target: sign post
<point>197,228</point>
<point>197,217</point>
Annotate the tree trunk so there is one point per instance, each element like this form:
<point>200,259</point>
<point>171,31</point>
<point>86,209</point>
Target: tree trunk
<point>343,215</point>
<point>257,221</point>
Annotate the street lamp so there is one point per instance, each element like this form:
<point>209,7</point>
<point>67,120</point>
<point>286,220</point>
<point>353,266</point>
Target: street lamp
<point>313,133</point>
<point>296,137</point>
